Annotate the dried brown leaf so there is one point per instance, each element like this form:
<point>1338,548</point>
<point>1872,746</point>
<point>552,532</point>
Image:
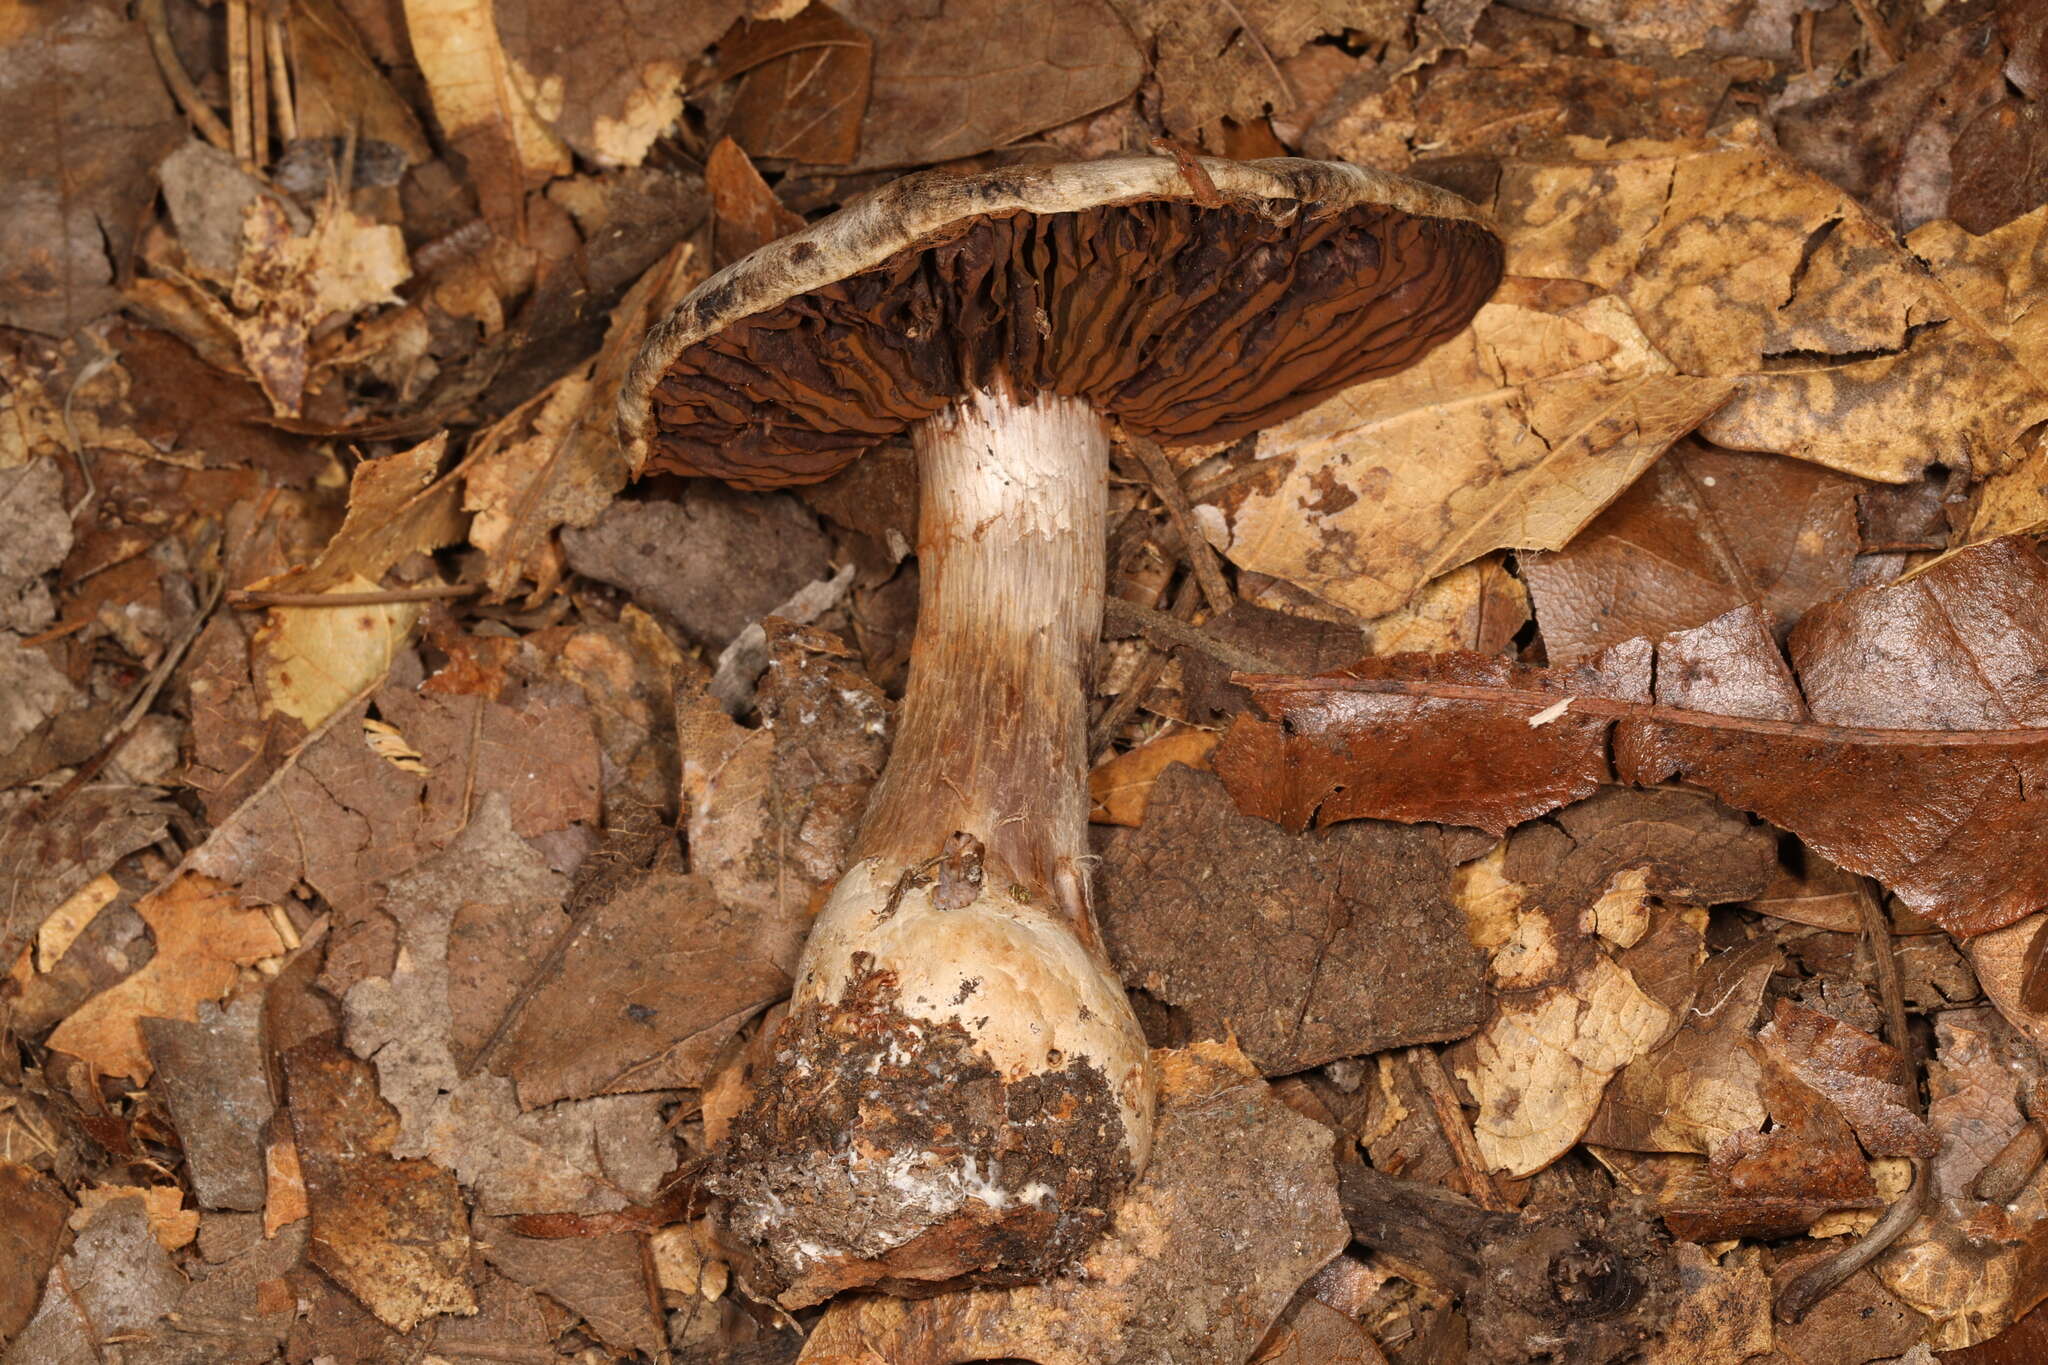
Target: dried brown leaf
<point>209,1071</point>
<point>806,86</point>
<point>1702,532</point>
<point>391,1232</point>
<point>954,80</point>
<point>484,106</point>
<point>602,1279</point>
<point>116,1280</point>
<point>1514,434</point>
<point>32,1214</point>
<point>1927,692</point>
<point>88,120</point>
<point>202,936</point>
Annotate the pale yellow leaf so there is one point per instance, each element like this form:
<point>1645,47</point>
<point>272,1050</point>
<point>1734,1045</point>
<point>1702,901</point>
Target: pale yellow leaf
<point>311,660</point>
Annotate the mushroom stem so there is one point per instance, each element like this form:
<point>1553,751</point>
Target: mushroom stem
<point>992,735</point>
<point>961,1089</point>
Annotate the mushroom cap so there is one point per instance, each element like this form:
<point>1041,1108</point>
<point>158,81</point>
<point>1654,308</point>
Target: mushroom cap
<point>1188,313</point>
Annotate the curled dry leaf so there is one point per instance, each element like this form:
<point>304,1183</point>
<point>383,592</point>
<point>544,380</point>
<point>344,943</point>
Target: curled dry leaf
<point>553,461</point>
<point>1515,434</point>
<point>203,934</point>
<point>1909,748</point>
<point>1237,1207</point>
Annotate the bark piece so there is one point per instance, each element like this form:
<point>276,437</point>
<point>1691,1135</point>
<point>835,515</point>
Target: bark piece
<point>714,562</point>
<point>1304,948</point>
<point>1237,1208</point>
<point>211,1074</point>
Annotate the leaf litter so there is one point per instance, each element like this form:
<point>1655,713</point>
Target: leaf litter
<point>1573,829</point>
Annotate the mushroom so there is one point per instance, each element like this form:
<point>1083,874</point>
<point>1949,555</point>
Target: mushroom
<point>961,1090</point>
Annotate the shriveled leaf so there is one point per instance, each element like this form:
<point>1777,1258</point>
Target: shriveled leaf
<point>1237,1207</point>
<point>602,1279</point>
<point>202,936</point>
<point>746,213</point>
<point>1858,1073</point>
<point>32,1214</point>
<point>339,90</point>
<point>554,462</point>
<point>1515,434</point>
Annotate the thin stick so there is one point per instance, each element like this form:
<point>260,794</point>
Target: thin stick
<point>1450,1117</point>
<point>1201,555</point>
<point>238,79</point>
<point>243,599</point>
<point>1147,676</point>
<point>1810,1286</point>
<point>259,88</point>
<point>1879,31</point>
<point>281,81</point>
<point>1176,631</point>
<point>182,90</point>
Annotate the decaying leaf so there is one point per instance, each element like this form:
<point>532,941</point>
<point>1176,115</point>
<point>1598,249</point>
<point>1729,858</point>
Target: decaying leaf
<point>1736,263</point>
<point>958,79</point>
<point>1237,1208</point>
<point>1515,433</point>
<point>32,1213</point>
<point>806,87</point>
<point>210,1072</point>
<point>392,1232</point>
<point>116,1280</point>
<point>482,107</point>
<point>602,1279</point>
<point>1214,59</point>
<point>606,80</point>
<point>1903,750</point>
<point>202,935</point>
<point>488,886</point>
<point>553,461</point>
<point>89,122</point>
<point>1540,1065</point>
<point>1301,947</point>
<point>1702,532</point>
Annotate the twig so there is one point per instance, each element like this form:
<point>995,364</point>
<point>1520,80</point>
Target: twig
<point>259,87</point>
<point>1147,676</point>
<point>1176,631</point>
<point>1201,555</point>
<point>238,81</point>
<point>1812,1285</point>
<point>243,599</point>
<point>1879,31</point>
<point>1450,1117</point>
<point>281,80</point>
<point>182,90</point>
